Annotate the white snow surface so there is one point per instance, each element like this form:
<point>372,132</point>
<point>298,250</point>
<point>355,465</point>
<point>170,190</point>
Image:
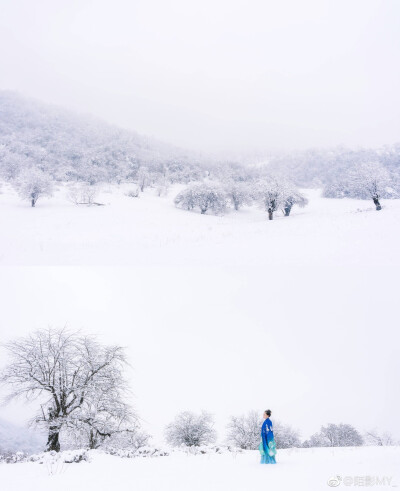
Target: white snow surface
<point>297,469</point>
<point>224,314</point>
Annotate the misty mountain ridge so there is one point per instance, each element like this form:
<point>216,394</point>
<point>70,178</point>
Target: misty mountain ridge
<point>70,147</point>
<point>74,147</point>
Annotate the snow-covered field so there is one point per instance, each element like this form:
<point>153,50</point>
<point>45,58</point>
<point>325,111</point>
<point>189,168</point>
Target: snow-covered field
<point>224,314</point>
<point>149,229</point>
<point>297,470</point>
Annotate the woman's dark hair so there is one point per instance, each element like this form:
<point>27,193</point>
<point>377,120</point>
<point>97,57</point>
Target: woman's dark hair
<point>268,412</point>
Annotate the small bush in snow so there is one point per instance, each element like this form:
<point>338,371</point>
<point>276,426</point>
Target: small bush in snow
<point>191,430</point>
<point>67,457</point>
<point>12,457</point>
<point>203,196</point>
<point>378,438</point>
<point>134,453</point>
<point>245,430</point>
<point>133,193</point>
<point>83,194</point>
<point>333,435</point>
<point>210,449</point>
<point>285,436</point>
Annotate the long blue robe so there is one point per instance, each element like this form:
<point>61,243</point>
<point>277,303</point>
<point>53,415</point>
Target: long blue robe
<point>267,436</point>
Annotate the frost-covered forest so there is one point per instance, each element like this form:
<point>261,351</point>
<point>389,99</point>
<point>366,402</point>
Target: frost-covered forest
<point>41,144</point>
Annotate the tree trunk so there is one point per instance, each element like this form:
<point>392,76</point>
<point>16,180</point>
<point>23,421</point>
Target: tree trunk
<point>33,202</point>
<point>53,441</point>
<point>270,214</point>
<point>287,210</point>
<point>377,204</point>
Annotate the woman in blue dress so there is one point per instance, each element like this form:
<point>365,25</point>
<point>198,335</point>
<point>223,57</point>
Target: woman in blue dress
<point>267,446</point>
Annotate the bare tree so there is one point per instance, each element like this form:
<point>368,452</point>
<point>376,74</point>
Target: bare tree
<point>378,438</point>
<point>245,430</point>
<point>191,430</point>
<point>80,381</point>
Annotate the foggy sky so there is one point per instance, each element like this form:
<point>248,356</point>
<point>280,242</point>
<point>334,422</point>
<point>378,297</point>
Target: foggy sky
<point>214,75</point>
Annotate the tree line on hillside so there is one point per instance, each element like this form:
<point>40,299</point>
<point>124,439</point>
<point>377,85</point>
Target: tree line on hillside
<point>41,145</point>
<point>83,401</point>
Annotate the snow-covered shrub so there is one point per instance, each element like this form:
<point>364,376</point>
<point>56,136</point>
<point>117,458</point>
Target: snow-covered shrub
<point>32,184</point>
<point>146,451</point>
<point>67,457</point>
<point>209,449</point>
<point>133,193</point>
<point>162,184</point>
<point>245,431</point>
<point>204,196</point>
<point>285,436</point>
<point>191,430</point>
<point>143,178</point>
<point>333,435</point>
<point>8,457</point>
<point>132,440</point>
<point>379,438</point>
<point>83,194</point>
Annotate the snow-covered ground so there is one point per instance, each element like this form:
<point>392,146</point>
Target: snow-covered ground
<point>224,314</point>
<point>128,231</point>
<point>297,470</point>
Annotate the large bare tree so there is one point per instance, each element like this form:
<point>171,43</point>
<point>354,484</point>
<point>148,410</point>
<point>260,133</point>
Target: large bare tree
<point>78,381</point>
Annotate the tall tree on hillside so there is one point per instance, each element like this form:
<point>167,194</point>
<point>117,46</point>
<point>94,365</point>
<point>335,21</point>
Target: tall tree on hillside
<point>81,382</point>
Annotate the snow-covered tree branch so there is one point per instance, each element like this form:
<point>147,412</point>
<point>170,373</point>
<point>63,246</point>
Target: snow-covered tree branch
<point>78,381</point>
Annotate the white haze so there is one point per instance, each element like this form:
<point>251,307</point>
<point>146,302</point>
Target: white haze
<point>217,76</point>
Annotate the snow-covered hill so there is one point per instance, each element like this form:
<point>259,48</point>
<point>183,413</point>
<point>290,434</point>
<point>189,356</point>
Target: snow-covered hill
<point>72,146</point>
